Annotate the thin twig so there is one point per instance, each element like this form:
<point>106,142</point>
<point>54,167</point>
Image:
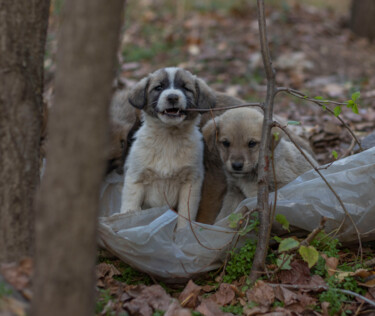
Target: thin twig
<point>328,185</point>
<point>322,287</point>
<point>321,103</point>
<point>275,182</point>
<point>315,232</point>
<point>258,104</point>
<point>263,160</point>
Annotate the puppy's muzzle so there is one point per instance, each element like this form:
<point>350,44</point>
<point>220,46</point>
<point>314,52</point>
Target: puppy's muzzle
<point>237,165</point>
<point>173,99</point>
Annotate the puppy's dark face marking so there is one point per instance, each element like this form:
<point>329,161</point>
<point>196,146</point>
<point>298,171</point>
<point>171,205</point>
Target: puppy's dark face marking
<point>168,92</point>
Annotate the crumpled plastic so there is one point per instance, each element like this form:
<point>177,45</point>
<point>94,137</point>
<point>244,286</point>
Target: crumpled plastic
<point>147,241</point>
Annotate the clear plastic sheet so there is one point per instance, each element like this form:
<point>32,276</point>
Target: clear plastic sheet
<point>146,239</point>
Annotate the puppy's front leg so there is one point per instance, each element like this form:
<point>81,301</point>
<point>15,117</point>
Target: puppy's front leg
<point>188,202</point>
<point>132,195</point>
<point>232,198</point>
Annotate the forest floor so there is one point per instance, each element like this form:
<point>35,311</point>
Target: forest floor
<point>313,51</point>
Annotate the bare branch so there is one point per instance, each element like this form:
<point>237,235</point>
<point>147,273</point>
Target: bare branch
<point>315,232</point>
<point>321,103</point>
<point>263,160</point>
<point>327,183</point>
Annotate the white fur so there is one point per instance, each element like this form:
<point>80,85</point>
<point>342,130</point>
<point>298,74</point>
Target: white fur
<point>165,167</point>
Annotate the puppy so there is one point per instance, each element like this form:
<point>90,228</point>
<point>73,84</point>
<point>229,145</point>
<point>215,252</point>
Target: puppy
<point>236,135</point>
<point>124,122</point>
<point>165,162</point>
<point>214,184</point>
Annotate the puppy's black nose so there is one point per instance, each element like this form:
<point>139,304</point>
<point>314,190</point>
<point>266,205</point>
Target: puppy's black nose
<point>173,98</point>
<point>237,165</point>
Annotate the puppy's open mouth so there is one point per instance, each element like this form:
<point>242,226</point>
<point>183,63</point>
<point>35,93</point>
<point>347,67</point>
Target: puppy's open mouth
<point>173,112</point>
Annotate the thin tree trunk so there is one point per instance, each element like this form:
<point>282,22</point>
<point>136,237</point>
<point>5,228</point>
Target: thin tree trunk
<point>362,20</point>
<point>264,152</point>
<point>23,28</point>
<point>68,200</point>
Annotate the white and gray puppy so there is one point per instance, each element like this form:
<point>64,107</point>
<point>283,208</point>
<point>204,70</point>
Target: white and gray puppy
<point>236,135</point>
<point>165,162</point>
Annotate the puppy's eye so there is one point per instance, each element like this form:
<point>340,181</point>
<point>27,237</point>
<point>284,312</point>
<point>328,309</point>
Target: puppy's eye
<point>158,88</point>
<point>225,143</point>
<point>186,89</point>
<point>252,144</point>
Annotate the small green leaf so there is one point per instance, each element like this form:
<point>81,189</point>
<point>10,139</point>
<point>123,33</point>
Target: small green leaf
<point>334,154</point>
<point>355,96</point>
<point>355,108</point>
<point>284,260</point>
<point>350,103</point>
<point>324,107</point>
<point>294,123</point>
<point>318,98</point>
<point>280,218</point>
<point>277,239</point>
<point>276,136</point>
<point>337,110</point>
<point>287,244</point>
<point>234,219</point>
<point>309,254</point>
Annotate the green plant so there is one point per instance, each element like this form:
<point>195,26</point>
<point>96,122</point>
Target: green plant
<point>4,290</point>
<point>234,309</point>
<point>158,313</point>
<point>335,300</point>
<point>131,276</point>
<point>278,304</point>
<point>240,262</point>
<point>102,301</point>
<point>326,244</point>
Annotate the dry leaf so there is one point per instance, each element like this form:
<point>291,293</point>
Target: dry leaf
<point>189,296</point>
<point>224,295</point>
<point>261,293</point>
<point>298,274</point>
<point>18,274</point>
<point>286,296</point>
<point>331,264</point>
<point>210,308</point>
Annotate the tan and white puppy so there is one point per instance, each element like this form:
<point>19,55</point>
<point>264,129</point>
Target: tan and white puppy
<point>236,134</point>
<point>165,162</point>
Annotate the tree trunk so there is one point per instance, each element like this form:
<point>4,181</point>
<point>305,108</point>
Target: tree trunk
<point>67,205</point>
<point>363,17</point>
<point>23,28</point>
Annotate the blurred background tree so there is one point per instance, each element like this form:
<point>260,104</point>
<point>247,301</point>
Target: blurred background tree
<point>362,20</point>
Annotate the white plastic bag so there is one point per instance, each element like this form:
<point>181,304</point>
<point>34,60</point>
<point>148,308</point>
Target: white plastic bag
<point>146,240</point>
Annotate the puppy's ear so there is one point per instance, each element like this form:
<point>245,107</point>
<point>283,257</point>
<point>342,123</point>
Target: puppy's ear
<point>138,94</point>
<point>210,131</point>
<point>205,97</point>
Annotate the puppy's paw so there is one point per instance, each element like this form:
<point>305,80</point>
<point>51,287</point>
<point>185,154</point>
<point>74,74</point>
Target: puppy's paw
<point>125,210</point>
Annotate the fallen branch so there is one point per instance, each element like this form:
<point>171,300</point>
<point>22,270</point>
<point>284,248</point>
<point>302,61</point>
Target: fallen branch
<point>322,287</point>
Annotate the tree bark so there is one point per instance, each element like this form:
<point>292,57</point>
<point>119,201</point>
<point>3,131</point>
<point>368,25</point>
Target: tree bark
<point>264,152</point>
<point>363,17</point>
<point>67,205</point>
<point>23,28</point>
